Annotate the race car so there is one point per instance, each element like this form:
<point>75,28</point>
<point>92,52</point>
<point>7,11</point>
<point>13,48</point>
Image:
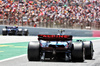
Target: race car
<point>14,31</point>
<point>59,47</point>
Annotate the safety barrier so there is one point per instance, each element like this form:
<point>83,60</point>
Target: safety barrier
<point>75,32</point>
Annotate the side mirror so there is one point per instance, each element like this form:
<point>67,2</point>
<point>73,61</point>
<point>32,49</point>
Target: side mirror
<point>79,40</point>
<point>61,30</point>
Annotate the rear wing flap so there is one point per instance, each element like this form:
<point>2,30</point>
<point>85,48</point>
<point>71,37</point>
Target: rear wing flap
<point>10,27</point>
<point>55,37</point>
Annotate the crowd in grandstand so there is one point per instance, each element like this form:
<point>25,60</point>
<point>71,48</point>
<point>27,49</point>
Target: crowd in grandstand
<point>57,12</point>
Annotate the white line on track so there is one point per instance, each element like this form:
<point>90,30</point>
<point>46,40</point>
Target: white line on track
<point>13,58</point>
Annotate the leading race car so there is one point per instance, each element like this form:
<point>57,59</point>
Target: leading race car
<point>59,47</point>
<point>14,31</point>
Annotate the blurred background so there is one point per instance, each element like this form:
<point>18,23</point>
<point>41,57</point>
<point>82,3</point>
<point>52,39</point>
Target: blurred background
<point>71,14</point>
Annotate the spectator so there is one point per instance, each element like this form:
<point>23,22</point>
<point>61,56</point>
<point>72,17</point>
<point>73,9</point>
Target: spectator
<point>56,11</point>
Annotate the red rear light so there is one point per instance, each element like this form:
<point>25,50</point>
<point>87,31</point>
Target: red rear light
<point>54,36</point>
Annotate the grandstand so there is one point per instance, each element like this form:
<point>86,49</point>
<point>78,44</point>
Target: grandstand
<point>71,14</point>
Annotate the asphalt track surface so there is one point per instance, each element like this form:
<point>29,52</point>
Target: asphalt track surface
<point>23,61</point>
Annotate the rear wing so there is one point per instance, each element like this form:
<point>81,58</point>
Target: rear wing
<point>10,27</point>
<point>55,37</point>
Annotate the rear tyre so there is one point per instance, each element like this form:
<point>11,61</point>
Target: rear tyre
<point>20,32</point>
<point>4,32</point>
<point>33,51</point>
<point>78,54</point>
<point>25,32</point>
<point>88,50</point>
